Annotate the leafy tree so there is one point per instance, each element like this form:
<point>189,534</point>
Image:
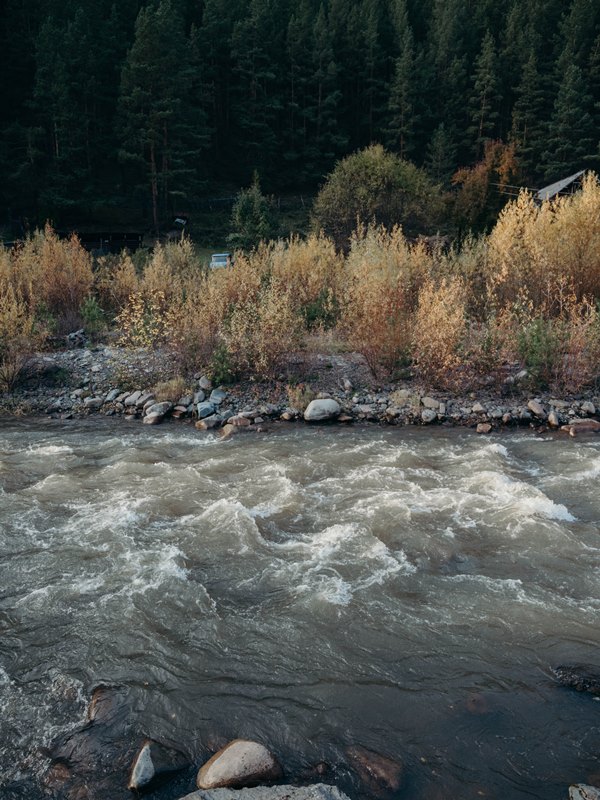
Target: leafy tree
<point>252,218</point>
<point>376,185</point>
<point>480,188</point>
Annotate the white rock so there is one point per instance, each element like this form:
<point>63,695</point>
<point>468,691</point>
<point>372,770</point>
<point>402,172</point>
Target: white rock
<point>319,791</point>
<point>580,791</point>
<point>159,408</point>
<point>429,402</point>
<point>240,763</point>
<point>536,408</point>
<point>319,410</point>
<point>93,402</point>
<point>132,399</point>
<point>428,415</point>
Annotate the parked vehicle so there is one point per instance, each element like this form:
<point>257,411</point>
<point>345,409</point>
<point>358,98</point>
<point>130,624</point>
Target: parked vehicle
<point>221,260</point>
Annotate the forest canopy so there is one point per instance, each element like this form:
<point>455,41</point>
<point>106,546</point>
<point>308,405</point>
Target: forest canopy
<point>151,105</point>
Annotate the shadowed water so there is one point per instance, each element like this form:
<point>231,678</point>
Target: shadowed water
<point>404,590</point>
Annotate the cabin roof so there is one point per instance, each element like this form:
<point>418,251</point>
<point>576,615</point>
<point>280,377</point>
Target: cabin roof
<point>554,189</point>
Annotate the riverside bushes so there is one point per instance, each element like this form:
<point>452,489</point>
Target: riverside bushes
<point>525,296</point>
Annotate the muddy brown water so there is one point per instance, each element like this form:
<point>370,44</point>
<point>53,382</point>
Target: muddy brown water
<point>313,588</point>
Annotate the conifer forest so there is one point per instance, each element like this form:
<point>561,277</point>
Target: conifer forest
<point>121,105</point>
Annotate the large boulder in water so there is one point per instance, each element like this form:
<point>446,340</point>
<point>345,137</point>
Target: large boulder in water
<point>320,410</point>
<point>240,763</point>
<point>318,791</point>
<point>580,677</point>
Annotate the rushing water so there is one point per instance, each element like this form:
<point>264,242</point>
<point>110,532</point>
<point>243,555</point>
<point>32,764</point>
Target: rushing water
<point>314,588</point>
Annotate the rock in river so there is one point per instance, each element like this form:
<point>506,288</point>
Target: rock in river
<point>583,678</point>
<point>240,763</point>
<point>320,410</point>
<point>380,774</point>
<point>580,791</point>
<point>152,763</point>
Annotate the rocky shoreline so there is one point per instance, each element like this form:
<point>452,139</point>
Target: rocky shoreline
<point>114,382</point>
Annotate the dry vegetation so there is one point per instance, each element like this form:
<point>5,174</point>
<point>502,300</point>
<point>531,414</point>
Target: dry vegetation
<point>525,295</point>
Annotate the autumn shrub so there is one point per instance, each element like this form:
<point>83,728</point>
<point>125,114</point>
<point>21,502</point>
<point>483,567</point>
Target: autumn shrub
<point>66,277</point>
<point>261,329</point>
<point>300,395</point>
<point>171,269</point>
<point>312,272</point>
<point>143,322</point>
<point>171,390</point>
<point>115,281</point>
<point>439,332</point>
<point>20,335</point>
<point>558,343</point>
<point>382,281</point>
<point>534,246</point>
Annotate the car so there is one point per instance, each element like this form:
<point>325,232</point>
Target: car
<point>221,260</point>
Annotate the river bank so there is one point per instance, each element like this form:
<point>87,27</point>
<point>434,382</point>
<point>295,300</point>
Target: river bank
<point>111,381</point>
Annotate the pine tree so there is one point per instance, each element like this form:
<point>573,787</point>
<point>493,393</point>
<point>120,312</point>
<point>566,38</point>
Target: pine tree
<point>440,161</point>
<point>325,142</point>
<point>213,45</point>
<point>252,218</point>
<point>401,104</point>
<point>160,138</point>
<point>594,77</point>
<point>529,118</point>
<point>258,46</point>
<point>578,29</point>
<point>445,73</point>
<point>571,135</point>
<point>374,71</point>
<point>485,98</point>
<point>300,72</point>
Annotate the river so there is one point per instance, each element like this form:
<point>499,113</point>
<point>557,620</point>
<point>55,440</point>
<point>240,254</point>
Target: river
<point>406,590</point>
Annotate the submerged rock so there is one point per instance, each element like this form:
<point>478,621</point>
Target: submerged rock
<point>378,773</point>
<point>318,791</point>
<point>581,677</point>
<point>152,764</point>
<point>240,763</point>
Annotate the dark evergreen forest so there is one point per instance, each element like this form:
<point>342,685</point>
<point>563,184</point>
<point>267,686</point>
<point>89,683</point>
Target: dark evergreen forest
<point>152,106</point>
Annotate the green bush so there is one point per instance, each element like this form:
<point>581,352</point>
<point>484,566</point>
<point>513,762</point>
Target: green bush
<point>374,185</point>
